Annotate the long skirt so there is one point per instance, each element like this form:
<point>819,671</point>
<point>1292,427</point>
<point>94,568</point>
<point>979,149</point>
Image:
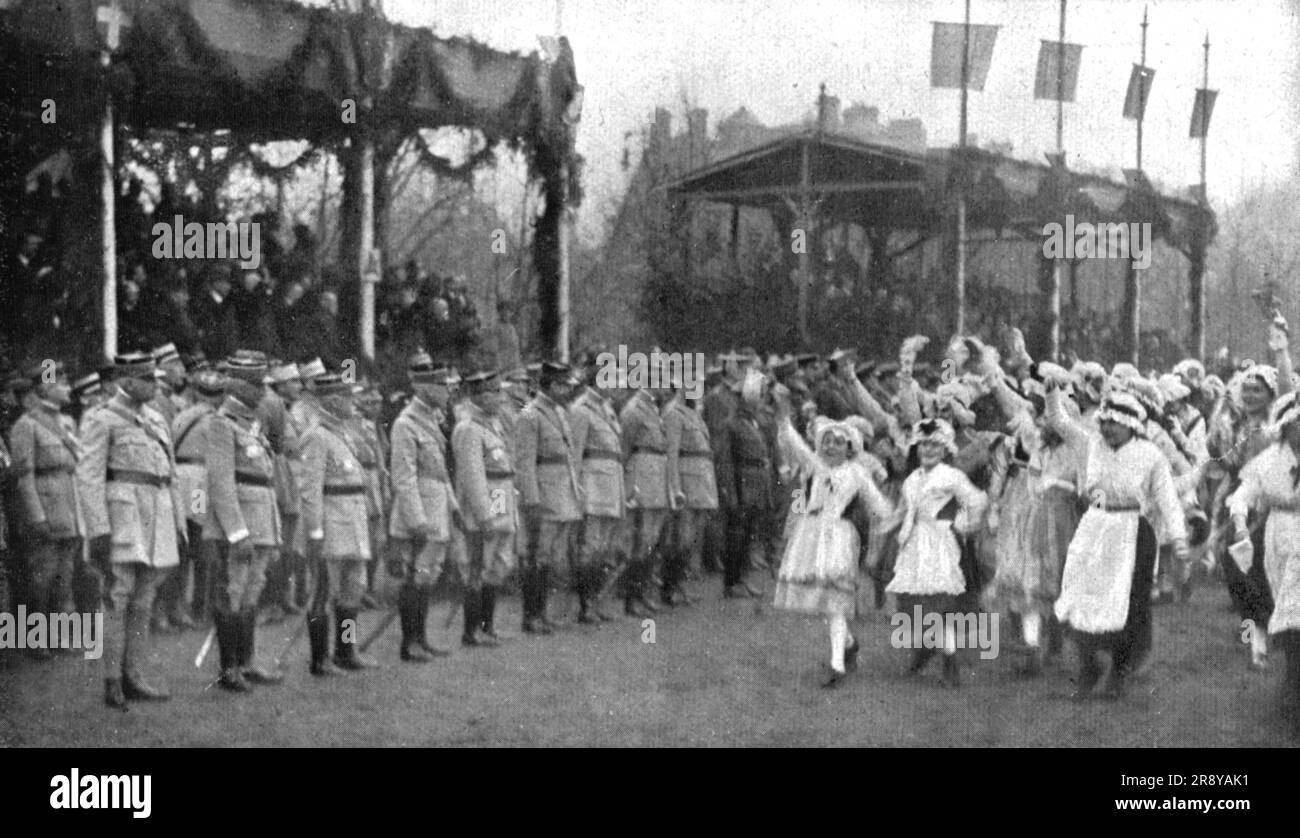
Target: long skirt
<point>1128,644</point>
<point>1029,578</point>
<point>1250,592</point>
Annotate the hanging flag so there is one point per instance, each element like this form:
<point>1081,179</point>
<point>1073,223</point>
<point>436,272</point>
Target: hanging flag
<point>1139,88</point>
<point>110,20</point>
<point>945,55</point>
<point>1051,56</point>
<point>1202,109</point>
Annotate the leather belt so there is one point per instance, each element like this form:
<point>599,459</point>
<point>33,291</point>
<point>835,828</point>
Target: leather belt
<point>707,455</point>
<point>646,449</point>
<point>142,478</point>
<point>45,471</point>
<point>345,490</point>
<point>602,455</point>
<point>191,461</point>
<point>499,475</point>
<point>253,480</point>
<point>748,461</point>
<point>1127,507</point>
<point>552,461</point>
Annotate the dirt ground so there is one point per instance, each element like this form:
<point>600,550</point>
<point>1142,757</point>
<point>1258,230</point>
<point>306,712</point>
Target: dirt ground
<point>722,672</point>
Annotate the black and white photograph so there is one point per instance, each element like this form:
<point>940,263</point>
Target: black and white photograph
<point>651,374</point>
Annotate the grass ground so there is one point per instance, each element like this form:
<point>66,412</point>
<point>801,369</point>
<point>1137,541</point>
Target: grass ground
<point>722,672</point>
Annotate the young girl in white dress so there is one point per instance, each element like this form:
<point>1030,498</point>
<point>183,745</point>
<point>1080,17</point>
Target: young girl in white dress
<point>819,570</point>
<point>928,572</point>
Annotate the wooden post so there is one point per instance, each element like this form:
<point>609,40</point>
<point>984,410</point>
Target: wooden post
<point>1196,272</point>
<point>565,234</point>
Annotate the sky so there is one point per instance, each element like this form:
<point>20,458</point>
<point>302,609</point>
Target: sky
<point>771,55</point>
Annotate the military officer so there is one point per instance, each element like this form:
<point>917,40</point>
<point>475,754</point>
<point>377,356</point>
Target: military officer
<point>645,458</point>
<point>368,441</point>
<point>171,381</point>
<point>424,501</point>
<point>44,451</point>
<point>134,519</point>
<point>190,432</point>
<point>273,413</point>
<point>597,449</point>
<point>485,491</point>
<point>287,386</point>
<point>692,484</point>
<point>549,490</point>
<point>336,524</point>
<point>88,393</point>
<point>243,520</point>
<point>746,478</point>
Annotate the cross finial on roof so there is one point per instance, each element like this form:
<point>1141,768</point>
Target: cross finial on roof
<point>113,21</point>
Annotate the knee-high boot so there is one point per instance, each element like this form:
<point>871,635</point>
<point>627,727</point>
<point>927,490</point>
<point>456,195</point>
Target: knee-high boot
<point>408,610</point>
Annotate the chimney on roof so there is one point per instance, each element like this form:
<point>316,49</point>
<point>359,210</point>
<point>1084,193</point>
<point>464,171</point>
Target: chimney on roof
<point>661,133</point>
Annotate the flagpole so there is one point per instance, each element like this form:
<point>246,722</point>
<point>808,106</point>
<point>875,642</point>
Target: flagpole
<point>961,182</point>
<point>1205,118</point>
<point>1054,291</point>
<point>1142,88</point>
<point>1132,289</point>
<point>1197,272</point>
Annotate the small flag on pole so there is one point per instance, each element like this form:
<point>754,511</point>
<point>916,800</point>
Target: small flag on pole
<point>1050,55</point>
<point>1201,112</point>
<point>1139,88</point>
<point>945,55</point>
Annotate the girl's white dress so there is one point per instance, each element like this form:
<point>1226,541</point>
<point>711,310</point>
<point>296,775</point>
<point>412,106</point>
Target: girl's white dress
<point>1268,483</point>
<point>929,556</point>
<point>819,571</point>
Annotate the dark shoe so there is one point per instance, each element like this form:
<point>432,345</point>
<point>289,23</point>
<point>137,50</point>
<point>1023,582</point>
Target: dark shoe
<point>416,655</point>
<point>421,623</point>
<point>325,669</point>
<point>318,635</point>
<point>632,608</point>
<point>537,625</point>
<point>1089,675</point>
<point>851,656</point>
<point>920,657</point>
<point>738,591</point>
<point>182,621</point>
<point>1185,592</point>
<point>136,688</point>
<point>232,680</point>
<point>113,695</point>
<point>258,675</point>
<point>346,655</point>
<point>433,650</point>
<point>470,605</point>
<point>832,679</point>
<point>488,604</point>
<point>589,618</point>
<point>951,671</point>
<point>1115,687</point>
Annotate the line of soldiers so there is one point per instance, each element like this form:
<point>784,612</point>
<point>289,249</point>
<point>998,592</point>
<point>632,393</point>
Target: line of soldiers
<point>204,493</point>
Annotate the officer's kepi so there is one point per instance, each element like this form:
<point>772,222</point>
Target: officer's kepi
<point>482,382</point>
<point>134,365</point>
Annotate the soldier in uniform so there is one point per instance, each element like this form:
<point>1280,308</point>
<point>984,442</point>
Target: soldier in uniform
<point>88,393</point>
<point>286,385</point>
<point>550,493</point>
<point>134,519</point>
<point>335,521</point>
<point>190,432</point>
<point>243,520</point>
<point>273,413</point>
<point>171,381</point>
<point>645,472</point>
<point>693,486</point>
<point>368,441</point>
<point>485,491</point>
<point>44,450</point>
<point>746,478</point>
<point>597,448</point>
<point>424,502</point>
